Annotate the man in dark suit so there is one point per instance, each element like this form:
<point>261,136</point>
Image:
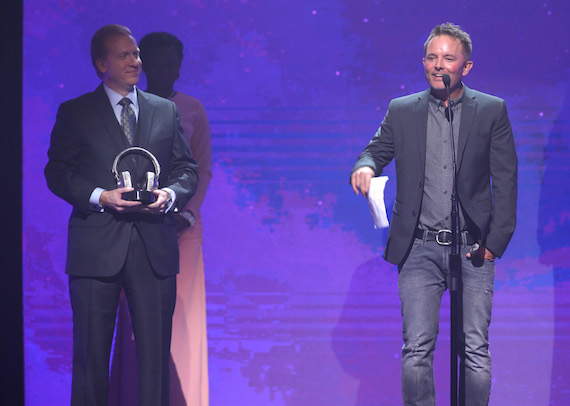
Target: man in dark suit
<point>415,132</point>
<point>116,244</point>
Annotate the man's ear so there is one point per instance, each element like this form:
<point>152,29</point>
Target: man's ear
<point>467,67</point>
<point>101,65</point>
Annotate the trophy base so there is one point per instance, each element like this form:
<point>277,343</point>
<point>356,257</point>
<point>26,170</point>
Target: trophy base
<point>143,196</point>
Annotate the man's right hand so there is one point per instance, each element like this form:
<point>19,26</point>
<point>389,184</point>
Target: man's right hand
<point>113,199</point>
<point>360,180</point>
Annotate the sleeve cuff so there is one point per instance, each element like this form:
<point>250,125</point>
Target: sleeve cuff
<point>94,199</point>
<point>171,200</point>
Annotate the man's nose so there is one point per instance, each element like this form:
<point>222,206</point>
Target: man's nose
<point>134,60</point>
<point>438,64</point>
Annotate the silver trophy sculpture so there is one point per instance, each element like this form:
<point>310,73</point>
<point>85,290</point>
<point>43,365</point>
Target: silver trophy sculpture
<point>143,185</point>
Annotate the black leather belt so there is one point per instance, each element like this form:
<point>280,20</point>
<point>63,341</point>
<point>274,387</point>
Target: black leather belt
<point>443,237</point>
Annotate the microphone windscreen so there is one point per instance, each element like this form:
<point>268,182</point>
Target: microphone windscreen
<point>446,80</point>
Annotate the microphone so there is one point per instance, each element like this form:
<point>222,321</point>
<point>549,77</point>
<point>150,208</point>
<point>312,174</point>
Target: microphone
<point>448,112</point>
<point>455,260</point>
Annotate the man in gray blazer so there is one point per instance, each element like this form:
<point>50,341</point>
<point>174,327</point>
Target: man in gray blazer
<point>415,133</point>
<point>115,244</point>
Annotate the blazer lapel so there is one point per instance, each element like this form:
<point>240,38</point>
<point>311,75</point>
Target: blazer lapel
<point>144,130</point>
<point>421,111</point>
<point>107,116</point>
<point>144,126</point>
<point>468,111</point>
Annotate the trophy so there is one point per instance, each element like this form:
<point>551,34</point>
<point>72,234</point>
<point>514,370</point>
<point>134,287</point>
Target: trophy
<point>143,185</point>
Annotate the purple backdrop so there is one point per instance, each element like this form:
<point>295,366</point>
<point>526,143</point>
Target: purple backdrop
<point>302,310</point>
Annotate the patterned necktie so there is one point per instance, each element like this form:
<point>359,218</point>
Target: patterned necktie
<point>128,119</point>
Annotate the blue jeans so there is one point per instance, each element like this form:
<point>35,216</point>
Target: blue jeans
<point>423,277</point>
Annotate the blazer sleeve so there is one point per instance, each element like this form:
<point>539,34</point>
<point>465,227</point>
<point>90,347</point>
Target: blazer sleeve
<point>380,150</point>
<point>503,169</point>
<point>62,172</point>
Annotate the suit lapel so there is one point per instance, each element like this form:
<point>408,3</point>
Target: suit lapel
<point>468,111</point>
<point>421,112</point>
<point>107,116</point>
<point>109,120</point>
<point>144,126</point>
<point>144,129</point>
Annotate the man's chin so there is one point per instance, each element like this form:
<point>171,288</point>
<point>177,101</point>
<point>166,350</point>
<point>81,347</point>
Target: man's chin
<point>437,85</point>
<point>438,90</point>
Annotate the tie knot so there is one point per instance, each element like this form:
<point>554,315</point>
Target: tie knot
<point>125,101</point>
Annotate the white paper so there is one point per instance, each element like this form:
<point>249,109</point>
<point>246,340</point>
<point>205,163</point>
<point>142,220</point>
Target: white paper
<point>376,202</point>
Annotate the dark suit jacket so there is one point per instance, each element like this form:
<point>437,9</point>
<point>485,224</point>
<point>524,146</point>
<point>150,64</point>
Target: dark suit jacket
<point>486,151</point>
<point>85,141</point>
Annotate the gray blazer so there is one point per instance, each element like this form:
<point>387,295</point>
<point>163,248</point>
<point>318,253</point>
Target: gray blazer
<point>85,140</point>
<point>486,168</point>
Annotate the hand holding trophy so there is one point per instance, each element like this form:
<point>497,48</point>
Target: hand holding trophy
<point>143,186</point>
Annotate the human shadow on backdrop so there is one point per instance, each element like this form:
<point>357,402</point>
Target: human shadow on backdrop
<point>162,55</point>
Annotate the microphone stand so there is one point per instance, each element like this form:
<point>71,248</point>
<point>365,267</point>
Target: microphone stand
<point>455,285</point>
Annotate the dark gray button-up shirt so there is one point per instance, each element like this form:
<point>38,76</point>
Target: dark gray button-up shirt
<point>438,185</point>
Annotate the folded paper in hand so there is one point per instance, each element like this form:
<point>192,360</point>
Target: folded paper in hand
<point>376,202</point>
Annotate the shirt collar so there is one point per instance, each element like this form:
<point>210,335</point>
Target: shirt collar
<point>115,97</point>
<point>440,105</point>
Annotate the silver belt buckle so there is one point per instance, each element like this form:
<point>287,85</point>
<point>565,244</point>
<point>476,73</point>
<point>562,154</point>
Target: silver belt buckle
<point>442,242</point>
